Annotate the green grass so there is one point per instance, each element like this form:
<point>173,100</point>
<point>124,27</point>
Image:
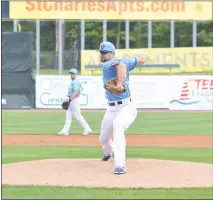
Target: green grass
<point>24,153</point>
<point>145,123</point>
<point>88,193</point>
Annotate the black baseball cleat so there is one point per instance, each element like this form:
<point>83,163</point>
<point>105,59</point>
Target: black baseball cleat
<point>106,157</point>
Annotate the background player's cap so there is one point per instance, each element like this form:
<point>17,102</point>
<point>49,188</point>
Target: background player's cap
<point>106,47</point>
<point>73,71</point>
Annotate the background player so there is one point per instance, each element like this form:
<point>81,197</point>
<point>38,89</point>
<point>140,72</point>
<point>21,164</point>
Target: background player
<point>121,111</point>
<point>74,107</point>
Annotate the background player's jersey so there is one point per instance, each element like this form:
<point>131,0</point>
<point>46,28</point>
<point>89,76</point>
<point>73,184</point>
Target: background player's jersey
<point>109,72</point>
<point>74,86</point>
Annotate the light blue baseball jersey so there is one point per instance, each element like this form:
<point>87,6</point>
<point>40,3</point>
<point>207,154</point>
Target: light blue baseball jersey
<point>74,86</point>
<point>109,72</point>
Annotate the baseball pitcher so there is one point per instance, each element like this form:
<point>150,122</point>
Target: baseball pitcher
<point>72,107</point>
<point>121,111</point>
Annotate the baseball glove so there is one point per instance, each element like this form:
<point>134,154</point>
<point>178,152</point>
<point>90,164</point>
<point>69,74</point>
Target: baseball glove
<point>65,105</point>
<point>111,86</point>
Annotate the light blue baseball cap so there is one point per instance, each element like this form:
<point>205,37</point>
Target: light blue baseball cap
<point>73,71</point>
<point>106,47</point>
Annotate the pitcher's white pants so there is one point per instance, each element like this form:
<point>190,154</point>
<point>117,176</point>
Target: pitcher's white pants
<point>116,120</point>
<point>74,110</point>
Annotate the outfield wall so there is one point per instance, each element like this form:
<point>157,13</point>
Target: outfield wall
<point>188,92</point>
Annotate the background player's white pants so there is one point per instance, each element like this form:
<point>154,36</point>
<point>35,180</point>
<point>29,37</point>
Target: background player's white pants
<point>116,120</point>
<point>74,110</point>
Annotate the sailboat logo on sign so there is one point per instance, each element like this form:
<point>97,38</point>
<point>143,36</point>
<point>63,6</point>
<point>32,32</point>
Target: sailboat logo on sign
<point>187,94</point>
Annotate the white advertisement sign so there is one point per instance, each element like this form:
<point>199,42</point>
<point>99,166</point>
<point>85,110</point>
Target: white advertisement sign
<point>191,92</point>
<point>51,91</point>
<point>146,91</point>
<point>150,91</point>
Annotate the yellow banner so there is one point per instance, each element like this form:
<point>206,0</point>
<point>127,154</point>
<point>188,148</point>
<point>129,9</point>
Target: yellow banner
<point>159,60</point>
<point>114,10</point>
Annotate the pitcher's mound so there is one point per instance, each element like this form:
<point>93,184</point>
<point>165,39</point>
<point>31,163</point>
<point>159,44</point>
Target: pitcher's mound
<point>144,173</point>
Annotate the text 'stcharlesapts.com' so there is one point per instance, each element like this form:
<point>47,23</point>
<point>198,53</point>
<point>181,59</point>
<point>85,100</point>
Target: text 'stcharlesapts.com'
<point>108,9</point>
<point>109,6</point>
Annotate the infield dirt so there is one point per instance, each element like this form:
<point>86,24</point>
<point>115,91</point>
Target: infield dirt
<point>143,173</point>
<point>93,140</point>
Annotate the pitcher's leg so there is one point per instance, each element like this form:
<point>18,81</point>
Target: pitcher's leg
<point>124,119</point>
<point>107,150</point>
<point>68,121</point>
<point>119,144</point>
<point>106,134</point>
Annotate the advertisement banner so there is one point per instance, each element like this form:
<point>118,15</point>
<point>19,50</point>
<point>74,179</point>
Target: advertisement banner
<point>114,10</point>
<point>150,91</point>
<point>146,91</point>
<point>191,92</point>
<point>189,60</point>
<point>51,91</point>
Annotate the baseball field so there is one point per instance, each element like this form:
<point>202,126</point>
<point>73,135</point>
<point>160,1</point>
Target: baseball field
<point>169,155</point>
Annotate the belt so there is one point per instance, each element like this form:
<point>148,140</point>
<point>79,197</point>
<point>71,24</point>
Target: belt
<point>118,102</point>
